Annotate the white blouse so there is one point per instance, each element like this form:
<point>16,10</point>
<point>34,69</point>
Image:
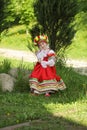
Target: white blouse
<point>43,53</point>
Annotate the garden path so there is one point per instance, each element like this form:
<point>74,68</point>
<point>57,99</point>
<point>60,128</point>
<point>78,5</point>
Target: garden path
<point>17,54</point>
<point>30,57</point>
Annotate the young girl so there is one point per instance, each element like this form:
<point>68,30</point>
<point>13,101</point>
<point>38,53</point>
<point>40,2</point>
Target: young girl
<point>43,79</point>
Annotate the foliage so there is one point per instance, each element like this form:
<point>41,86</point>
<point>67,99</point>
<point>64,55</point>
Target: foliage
<point>22,83</point>
<point>80,19</point>
<point>52,17</point>
<point>15,12</point>
<point>23,71</point>
<point>10,14</point>
<point>79,43</point>
<point>55,18</point>
<point>5,66</point>
<point>3,14</point>
<point>27,12</point>
<point>15,38</point>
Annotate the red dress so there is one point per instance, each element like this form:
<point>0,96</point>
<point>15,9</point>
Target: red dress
<point>45,79</point>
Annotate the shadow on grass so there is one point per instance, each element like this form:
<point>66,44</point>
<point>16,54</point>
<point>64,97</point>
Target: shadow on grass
<point>40,113</point>
<point>47,113</point>
<point>52,123</point>
<point>57,123</point>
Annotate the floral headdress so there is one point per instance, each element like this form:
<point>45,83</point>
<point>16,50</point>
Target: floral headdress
<point>40,38</point>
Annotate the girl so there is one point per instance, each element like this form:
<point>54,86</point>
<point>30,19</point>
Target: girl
<point>43,79</point>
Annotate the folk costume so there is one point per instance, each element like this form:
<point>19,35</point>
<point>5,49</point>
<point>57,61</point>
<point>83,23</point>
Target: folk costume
<point>44,79</point>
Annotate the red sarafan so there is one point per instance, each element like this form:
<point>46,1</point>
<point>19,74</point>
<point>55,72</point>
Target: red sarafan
<point>44,78</point>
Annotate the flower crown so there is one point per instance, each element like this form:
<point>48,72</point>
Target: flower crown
<point>40,38</point>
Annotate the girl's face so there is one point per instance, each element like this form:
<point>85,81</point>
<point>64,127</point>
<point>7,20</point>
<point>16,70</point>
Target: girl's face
<point>43,46</point>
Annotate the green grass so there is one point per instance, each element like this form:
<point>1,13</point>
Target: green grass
<point>14,63</point>
<point>16,38</point>
<point>63,110</point>
<point>77,50</point>
<point>54,112</point>
<point>23,70</point>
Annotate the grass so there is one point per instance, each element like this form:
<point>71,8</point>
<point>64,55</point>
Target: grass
<point>16,38</point>
<point>23,70</point>
<point>54,112</point>
<point>77,50</point>
<point>65,110</point>
<point>14,63</point>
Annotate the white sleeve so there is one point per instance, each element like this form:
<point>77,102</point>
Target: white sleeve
<point>44,64</point>
<point>52,59</point>
<point>51,52</point>
<point>51,62</point>
<point>39,56</point>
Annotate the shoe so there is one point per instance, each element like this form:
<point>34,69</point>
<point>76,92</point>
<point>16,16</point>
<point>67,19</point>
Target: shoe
<point>47,95</point>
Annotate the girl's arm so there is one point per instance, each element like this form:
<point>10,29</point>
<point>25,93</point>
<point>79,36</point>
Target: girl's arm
<point>52,58</point>
<point>40,56</point>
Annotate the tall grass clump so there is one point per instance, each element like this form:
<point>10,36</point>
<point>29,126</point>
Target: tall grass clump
<point>5,66</point>
<point>22,82</point>
<point>22,70</point>
<point>76,84</point>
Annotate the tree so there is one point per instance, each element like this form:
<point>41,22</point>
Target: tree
<point>3,5</point>
<point>16,12</point>
<point>8,14</point>
<point>27,11</point>
<point>82,15</point>
<point>55,18</point>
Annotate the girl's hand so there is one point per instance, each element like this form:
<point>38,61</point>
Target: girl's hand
<point>44,64</point>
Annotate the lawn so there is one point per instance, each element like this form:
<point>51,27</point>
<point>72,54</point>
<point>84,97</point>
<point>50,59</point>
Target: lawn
<point>77,50</point>
<point>16,38</point>
<point>63,110</point>
<point>66,110</point>
<point>42,113</point>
